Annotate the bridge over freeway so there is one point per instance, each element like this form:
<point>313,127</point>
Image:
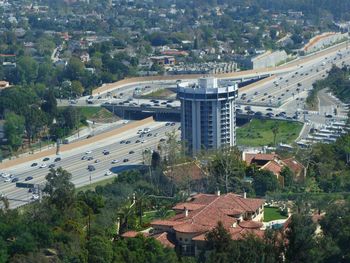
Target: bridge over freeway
<point>239,75</point>
<point>136,112</point>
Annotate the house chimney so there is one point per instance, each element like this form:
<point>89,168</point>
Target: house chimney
<point>186,211</point>
<point>244,195</point>
<point>218,192</point>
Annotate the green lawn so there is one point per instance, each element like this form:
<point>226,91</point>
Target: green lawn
<point>259,132</point>
<point>272,213</point>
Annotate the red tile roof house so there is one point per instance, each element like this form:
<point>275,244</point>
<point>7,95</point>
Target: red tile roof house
<point>272,162</point>
<point>187,229</point>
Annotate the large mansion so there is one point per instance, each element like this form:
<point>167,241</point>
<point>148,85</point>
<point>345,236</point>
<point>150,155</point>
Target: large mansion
<point>197,216</point>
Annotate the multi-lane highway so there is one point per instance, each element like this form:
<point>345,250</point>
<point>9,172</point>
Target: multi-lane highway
<point>126,151</point>
<point>285,93</point>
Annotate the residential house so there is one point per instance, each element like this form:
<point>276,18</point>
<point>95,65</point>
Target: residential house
<point>273,163</point>
<point>85,57</point>
<point>200,214</point>
<point>163,60</point>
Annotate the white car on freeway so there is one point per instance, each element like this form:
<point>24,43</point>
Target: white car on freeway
<point>108,173</point>
<point>115,161</point>
<point>43,165</point>
<point>5,175</point>
<point>7,180</point>
<point>88,152</point>
<point>35,197</point>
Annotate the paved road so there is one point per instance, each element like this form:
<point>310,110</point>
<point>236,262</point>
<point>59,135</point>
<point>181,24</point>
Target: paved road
<point>72,162</point>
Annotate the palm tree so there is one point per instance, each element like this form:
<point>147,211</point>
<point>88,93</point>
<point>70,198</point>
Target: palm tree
<point>275,131</point>
<point>125,213</point>
<point>141,201</point>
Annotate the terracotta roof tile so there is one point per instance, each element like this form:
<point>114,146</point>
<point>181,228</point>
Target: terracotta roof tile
<point>131,234</point>
<point>190,228</point>
<point>165,222</point>
<point>189,206</point>
<point>273,167</point>
<point>250,224</point>
<point>293,165</point>
<point>206,210</point>
<point>166,239</point>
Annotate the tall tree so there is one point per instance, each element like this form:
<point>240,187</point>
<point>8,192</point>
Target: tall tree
<point>35,120</point>
<point>14,129</point>
<point>100,250</point>
<point>275,130</point>
<point>225,167</point>
<point>264,181</point>
<point>27,69</point>
<point>59,188</point>
<point>301,245</point>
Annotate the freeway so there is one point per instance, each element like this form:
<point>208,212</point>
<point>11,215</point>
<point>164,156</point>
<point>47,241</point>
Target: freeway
<point>72,161</point>
<point>283,89</point>
<point>291,66</point>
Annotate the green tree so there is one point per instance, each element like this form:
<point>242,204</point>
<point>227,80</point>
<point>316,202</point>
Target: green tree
<point>227,169</point>
<point>14,129</point>
<point>288,176</point>
<point>50,104</point>
<point>218,239</point>
<point>142,250</point>
<point>275,130</point>
<point>100,250</point>
<point>77,88</point>
<point>75,69</point>
<point>301,245</point>
<point>35,119</point>
<point>27,70</point>
<point>59,188</point>
<point>264,181</point>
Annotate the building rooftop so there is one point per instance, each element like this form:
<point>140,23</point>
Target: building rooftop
<point>203,212</point>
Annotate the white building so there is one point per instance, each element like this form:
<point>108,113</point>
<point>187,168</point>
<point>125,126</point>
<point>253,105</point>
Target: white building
<point>208,117</point>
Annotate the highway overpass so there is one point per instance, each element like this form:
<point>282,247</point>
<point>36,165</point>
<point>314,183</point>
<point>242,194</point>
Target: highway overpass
<point>236,76</point>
